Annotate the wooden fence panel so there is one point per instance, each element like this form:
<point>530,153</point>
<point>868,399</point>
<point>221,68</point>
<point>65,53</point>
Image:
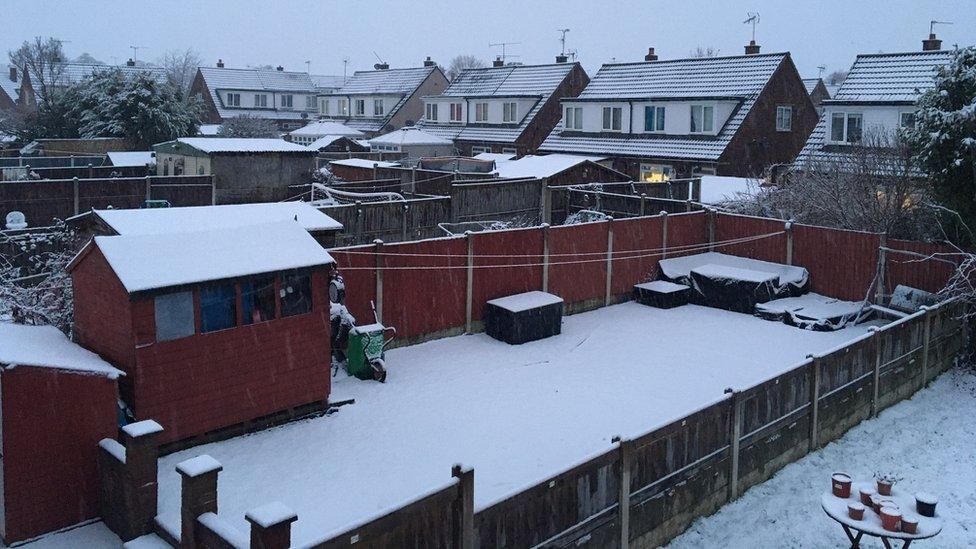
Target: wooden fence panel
<point>841,263</point>
<point>930,275</point>
<point>518,201</point>
<point>358,268</point>
<point>688,234</point>
<point>637,244</point>
<point>728,226</point>
<point>511,263</point>
<point>583,283</point>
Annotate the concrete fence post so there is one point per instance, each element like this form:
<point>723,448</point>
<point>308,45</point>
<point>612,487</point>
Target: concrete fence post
<point>91,171</point>
<point>376,168</point>
<point>876,383</point>
<point>213,190</point>
<point>545,257</point>
<point>406,222</point>
<point>711,229</point>
<point>378,258</point>
<point>609,270</point>
<point>696,189</point>
<point>926,344</point>
<point>148,189</point>
<point>72,161</point>
<point>643,204</point>
<point>199,494</point>
<point>271,526</point>
<point>670,189</point>
<point>735,438</point>
<point>464,519</point>
<point>469,294</point>
<point>74,184</point>
<point>788,227</point>
<point>814,401</point>
<point>664,234</point>
<point>623,498</point>
<point>359,222</point>
<point>545,206</point>
<point>879,292</point>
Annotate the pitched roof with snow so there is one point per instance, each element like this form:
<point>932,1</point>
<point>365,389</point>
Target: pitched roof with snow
<point>401,82</point>
<point>327,81</point>
<point>740,78</point>
<point>161,260</point>
<point>537,81</point>
<point>810,84</point>
<point>326,127</point>
<point>8,86</point>
<point>72,73</point>
<point>219,145</point>
<point>201,218</point>
<point>227,79</point>
<point>542,166</point>
<point>411,135</point>
<point>47,347</point>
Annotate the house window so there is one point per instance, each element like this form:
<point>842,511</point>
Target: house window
<point>845,127</point>
<point>509,150</point>
<point>174,316</point>
<point>455,112</point>
<point>258,299</point>
<point>260,100</point>
<point>702,118</point>
<point>432,111</point>
<point>611,118</point>
<point>218,307</point>
<point>479,150</point>
<point>509,111</point>
<point>233,100</point>
<point>653,119</point>
<point>360,107</point>
<point>296,294</point>
<point>907,120</point>
<point>342,107</point>
<point>324,106</point>
<point>378,107</point>
<point>287,101</point>
<point>310,102</point>
<point>656,173</point>
<point>481,112</point>
<point>784,118</point>
<point>574,118</point>
<point>201,170</point>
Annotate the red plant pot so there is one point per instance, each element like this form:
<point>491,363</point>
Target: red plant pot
<point>855,510</point>
<point>840,484</point>
<point>891,519</point>
<point>877,502</point>
<point>909,524</point>
<point>866,494</point>
<point>884,488</point>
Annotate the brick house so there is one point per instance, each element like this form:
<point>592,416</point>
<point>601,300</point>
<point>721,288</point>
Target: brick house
<point>503,108</point>
<point>213,329</point>
<point>817,91</point>
<point>58,401</point>
<point>658,120</point>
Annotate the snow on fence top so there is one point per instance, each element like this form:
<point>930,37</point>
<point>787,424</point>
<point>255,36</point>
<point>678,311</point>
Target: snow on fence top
<point>153,261</point>
<point>214,145</point>
<point>201,218</point>
<point>541,166</point>
<point>47,347</point>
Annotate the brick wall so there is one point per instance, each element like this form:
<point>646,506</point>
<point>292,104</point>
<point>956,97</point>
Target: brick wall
<point>52,422</point>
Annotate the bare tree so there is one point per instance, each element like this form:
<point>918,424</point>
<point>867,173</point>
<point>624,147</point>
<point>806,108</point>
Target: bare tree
<point>246,125</point>
<point>705,51</point>
<point>836,78</point>
<point>43,59</point>
<point>35,287</point>
<point>461,62</point>
<point>87,59</point>
<point>181,67</point>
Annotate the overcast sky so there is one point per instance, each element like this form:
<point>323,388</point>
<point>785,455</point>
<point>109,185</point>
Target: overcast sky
<point>243,32</point>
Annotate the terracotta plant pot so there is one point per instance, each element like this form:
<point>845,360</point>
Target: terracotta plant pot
<point>840,484</point>
<point>877,502</point>
<point>866,494</point>
<point>891,519</point>
<point>925,504</point>
<point>855,510</point>
<point>884,487</point>
<point>909,524</point>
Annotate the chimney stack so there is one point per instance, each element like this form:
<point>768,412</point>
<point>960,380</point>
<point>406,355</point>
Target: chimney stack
<point>381,66</point>
<point>498,62</point>
<point>130,63</point>
<point>220,63</point>
<point>279,68</point>
<point>932,44</point>
<point>651,56</point>
<point>13,74</point>
<point>429,62</point>
<point>752,48</point>
<point>561,58</point>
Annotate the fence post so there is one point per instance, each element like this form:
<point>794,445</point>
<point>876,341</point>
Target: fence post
<point>926,344</point>
<point>643,203</point>
<point>359,222</point>
<point>91,171</point>
<point>623,498</point>
<point>545,257</point>
<point>879,291</point>
<point>664,234</point>
<point>376,168</point>
<point>74,183</point>
<point>470,283</point>
<point>609,270</point>
<point>546,204</point>
<point>198,495</point>
<point>711,229</point>
<point>72,161</point>
<point>814,401</point>
<point>735,419</point>
<point>378,256</point>
<point>464,519</point>
<point>789,242</point>
<point>876,345</point>
<point>696,189</point>
<point>271,526</point>
<point>148,189</point>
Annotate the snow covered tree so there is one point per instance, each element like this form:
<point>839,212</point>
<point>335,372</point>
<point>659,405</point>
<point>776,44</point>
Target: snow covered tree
<point>35,287</point>
<point>944,141</point>
<point>246,125</point>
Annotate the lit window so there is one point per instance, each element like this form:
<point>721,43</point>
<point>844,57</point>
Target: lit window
<point>260,100</point>
<point>431,111</point>
<point>509,150</point>
<point>296,294</point>
<point>258,299</point>
<point>481,112</point>
<point>574,118</point>
<point>702,118</point>
<point>218,308</point>
<point>653,119</point>
<point>378,107</point>
<point>784,118</point>
<point>509,111</point>
<point>455,112</point>
<point>287,101</point>
<point>611,118</point>
<point>656,173</point>
<point>174,316</point>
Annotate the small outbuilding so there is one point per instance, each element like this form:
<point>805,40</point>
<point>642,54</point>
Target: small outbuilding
<point>322,128</point>
<point>57,400</point>
<point>244,169</point>
<point>412,142</point>
<point>560,169</point>
<point>213,328</point>
<point>338,143</point>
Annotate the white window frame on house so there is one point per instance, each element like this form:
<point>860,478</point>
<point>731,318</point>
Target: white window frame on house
<point>509,111</point>
<point>784,118</point>
<point>656,173</point>
<point>324,106</point>
<point>656,119</point>
<point>378,109</point>
<point>287,101</point>
<point>260,100</point>
<point>456,112</point>
<point>573,119</point>
<point>706,114</point>
<point>846,136</point>
<point>481,112</point>
<point>612,119</point>
<point>478,149</point>
<point>360,107</point>
<point>233,100</point>
<point>309,102</point>
<point>431,113</point>
<point>509,150</point>
<point>342,107</point>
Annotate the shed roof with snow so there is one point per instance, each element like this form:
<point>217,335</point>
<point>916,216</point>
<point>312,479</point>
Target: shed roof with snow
<point>364,163</point>
<point>232,145</point>
<point>543,166</point>
<point>47,347</point>
<point>410,135</point>
<point>201,218</point>
<point>145,262</point>
<point>132,158</point>
<point>321,128</point>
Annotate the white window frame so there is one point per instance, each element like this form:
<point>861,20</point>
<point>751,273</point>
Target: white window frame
<point>457,112</point>
<point>478,149</point>
<point>848,116</point>
<point>359,106</point>
<point>901,119</point>
<point>342,107</point>
<point>378,108</point>
<point>309,102</point>
<point>324,106</point>
<point>614,117</point>
<point>481,112</point>
<point>431,114</point>
<point>707,116</point>
<point>659,173</point>
<point>510,111</point>
<point>657,120</point>
<point>784,118</point>
<point>573,119</point>
<point>287,101</point>
<point>509,150</point>
<point>260,100</point>
<point>233,99</point>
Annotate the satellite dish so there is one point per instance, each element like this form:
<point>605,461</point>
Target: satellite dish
<point>16,220</point>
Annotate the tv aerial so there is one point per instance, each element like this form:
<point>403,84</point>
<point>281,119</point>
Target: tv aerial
<point>504,45</point>
<point>562,39</point>
<point>752,19</point>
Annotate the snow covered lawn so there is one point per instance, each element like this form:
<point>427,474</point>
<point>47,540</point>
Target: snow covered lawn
<point>517,414</point>
<point>927,439</point>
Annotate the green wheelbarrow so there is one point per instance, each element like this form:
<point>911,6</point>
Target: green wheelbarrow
<point>366,351</point>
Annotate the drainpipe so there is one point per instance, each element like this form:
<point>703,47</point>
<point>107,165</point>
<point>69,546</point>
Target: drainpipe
<point>630,118</point>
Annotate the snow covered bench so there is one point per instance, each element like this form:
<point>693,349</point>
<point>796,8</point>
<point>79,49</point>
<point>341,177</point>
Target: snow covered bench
<point>524,317</point>
<point>662,294</point>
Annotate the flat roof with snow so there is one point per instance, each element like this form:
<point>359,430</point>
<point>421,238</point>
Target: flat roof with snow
<point>542,166</point>
<point>132,158</point>
<point>409,136</point>
<point>326,127</point>
<point>364,163</point>
<point>201,218</point>
<point>228,145</point>
<point>155,261</point>
<point>47,347</point>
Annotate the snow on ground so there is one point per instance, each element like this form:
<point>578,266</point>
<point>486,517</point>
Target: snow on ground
<point>91,535</point>
<point>927,439</point>
<point>517,414</point>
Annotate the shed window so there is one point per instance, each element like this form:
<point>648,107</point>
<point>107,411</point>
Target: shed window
<point>174,316</point>
<point>258,299</point>
<point>296,294</point>
<point>218,307</point>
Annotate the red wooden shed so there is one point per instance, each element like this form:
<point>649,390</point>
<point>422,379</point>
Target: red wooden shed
<point>213,328</point>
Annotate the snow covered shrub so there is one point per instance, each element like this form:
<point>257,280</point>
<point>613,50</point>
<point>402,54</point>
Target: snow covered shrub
<point>35,287</point>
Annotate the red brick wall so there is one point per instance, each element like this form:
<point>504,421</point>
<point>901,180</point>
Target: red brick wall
<point>52,422</point>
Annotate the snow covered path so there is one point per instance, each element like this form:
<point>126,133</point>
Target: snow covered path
<point>928,439</point>
<point>517,414</point>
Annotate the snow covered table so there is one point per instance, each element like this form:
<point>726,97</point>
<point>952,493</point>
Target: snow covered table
<point>836,508</point>
<point>733,288</point>
<point>524,317</point>
<point>661,294</point>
